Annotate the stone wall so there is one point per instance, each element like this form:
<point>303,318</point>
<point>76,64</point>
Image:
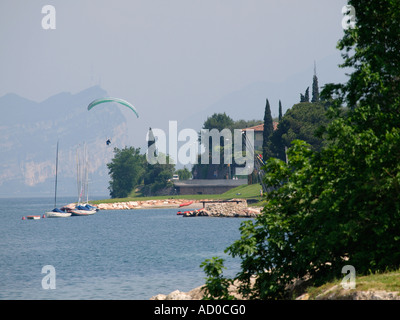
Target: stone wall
<point>225,209</point>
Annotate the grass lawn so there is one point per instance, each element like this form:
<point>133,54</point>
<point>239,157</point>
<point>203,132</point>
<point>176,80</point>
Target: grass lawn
<point>244,192</point>
<point>386,281</point>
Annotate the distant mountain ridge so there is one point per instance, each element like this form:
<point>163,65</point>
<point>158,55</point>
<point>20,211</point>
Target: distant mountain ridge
<point>29,133</point>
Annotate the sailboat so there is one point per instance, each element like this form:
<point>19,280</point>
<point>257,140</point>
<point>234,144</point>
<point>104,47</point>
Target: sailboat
<point>82,209</point>
<point>56,212</point>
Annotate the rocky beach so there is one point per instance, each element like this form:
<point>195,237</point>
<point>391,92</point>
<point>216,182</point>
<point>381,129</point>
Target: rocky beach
<point>194,208</point>
<point>150,204</point>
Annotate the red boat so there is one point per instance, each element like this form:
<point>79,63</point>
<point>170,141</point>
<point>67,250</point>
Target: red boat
<point>179,213</point>
<point>185,204</point>
<point>33,217</point>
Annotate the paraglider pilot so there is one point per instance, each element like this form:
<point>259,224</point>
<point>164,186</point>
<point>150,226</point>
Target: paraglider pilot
<point>108,142</point>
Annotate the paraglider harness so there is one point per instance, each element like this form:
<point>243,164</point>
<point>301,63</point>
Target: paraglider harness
<point>108,142</point>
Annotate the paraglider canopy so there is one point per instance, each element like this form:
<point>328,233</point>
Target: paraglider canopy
<point>109,99</point>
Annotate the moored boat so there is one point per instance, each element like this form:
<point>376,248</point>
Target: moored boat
<point>87,206</point>
<point>76,212</point>
<point>83,186</point>
<point>58,213</point>
<point>33,217</point>
<point>185,204</point>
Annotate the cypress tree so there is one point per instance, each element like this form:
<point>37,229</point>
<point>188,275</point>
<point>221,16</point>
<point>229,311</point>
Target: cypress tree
<point>268,130</point>
<point>280,110</point>
<point>315,89</point>
<point>307,95</point>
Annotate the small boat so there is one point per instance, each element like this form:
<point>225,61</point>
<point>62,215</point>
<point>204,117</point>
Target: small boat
<point>33,217</point>
<point>83,210</point>
<point>87,206</point>
<point>179,213</point>
<point>82,175</point>
<point>58,213</point>
<point>76,212</point>
<point>79,210</point>
<point>185,204</point>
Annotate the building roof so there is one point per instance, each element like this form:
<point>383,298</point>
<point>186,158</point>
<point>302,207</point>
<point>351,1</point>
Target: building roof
<point>260,127</point>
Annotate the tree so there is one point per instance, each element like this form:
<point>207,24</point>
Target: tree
<point>157,176</point>
<point>307,95</point>
<point>315,89</point>
<point>268,130</point>
<point>302,122</point>
<point>218,121</point>
<point>280,111</point>
<point>126,170</point>
<point>340,205</point>
<point>184,174</point>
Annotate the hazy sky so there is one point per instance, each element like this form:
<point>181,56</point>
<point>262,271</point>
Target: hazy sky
<point>168,57</point>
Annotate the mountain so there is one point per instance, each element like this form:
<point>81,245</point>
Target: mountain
<point>29,133</point>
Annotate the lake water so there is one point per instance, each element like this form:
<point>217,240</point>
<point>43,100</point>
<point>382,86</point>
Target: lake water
<point>114,254</point>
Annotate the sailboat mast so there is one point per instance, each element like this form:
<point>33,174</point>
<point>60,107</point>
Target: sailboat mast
<point>87,176</point>
<point>77,175</point>
<point>55,187</point>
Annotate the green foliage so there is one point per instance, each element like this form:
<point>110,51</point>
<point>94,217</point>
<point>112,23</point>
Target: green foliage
<point>220,121</point>
<point>306,96</point>
<point>268,130</point>
<point>315,89</point>
<point>184,174</point>
<point>216,287</point>
<point>339,205</point>
<point>125,170</point>
<point>157,176</point>
<point>301,122</point>
<point>129,169</point>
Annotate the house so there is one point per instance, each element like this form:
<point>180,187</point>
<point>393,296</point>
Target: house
<point>258,134</point>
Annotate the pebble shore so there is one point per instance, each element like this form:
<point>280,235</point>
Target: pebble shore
<point>149,204</point>
<point>235,208</point>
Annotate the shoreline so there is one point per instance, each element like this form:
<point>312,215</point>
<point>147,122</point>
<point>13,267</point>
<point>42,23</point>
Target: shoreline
<point>236,208</point>
<point>151,204</point>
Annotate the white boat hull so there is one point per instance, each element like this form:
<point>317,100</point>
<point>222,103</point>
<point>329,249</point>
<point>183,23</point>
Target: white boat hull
<point>82,212</point>
<point>52,214</point>
<point>33,217</point>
